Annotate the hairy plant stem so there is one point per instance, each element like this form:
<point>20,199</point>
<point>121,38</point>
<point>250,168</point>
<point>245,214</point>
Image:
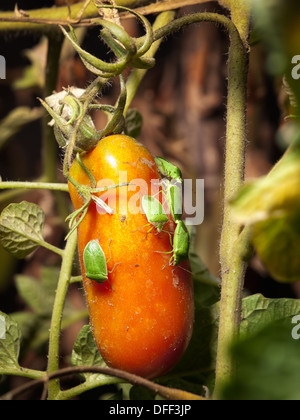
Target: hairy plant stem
<point>90,93</point>
<point>27,185</point>
<point>23,373</point>
<point>234,244</point>
<point>240,13</point>
<point>36,21</point>
<point>55,328</point>
<point>11,22</point>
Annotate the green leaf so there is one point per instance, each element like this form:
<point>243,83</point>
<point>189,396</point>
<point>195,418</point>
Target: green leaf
<point>2,327</point>
<point>21,228</point>
<point>258,312</point>
<point>86,353</point>
<point>266,353</point>
<point>133,123</point>
<point>35,295</point>
<point>10,338</point>
<point>277,242</point>
<point>117,396</point>
<point>49,278</point>
<point>272,205</point>
<point>28,323</point>
<point>268,366</point>
<point>141,393</point>
<point>39,295</point>
<point>271,196</point>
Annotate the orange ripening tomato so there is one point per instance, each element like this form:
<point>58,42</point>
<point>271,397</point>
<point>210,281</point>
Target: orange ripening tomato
<point>142,317</point>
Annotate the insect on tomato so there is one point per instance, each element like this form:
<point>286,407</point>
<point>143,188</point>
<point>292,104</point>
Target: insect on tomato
<point>154,212</point>
<point>173,194</point>
<point>95,263</point>
<point>143,322</point>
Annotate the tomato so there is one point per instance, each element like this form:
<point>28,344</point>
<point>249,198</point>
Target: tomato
<point>142,317</point>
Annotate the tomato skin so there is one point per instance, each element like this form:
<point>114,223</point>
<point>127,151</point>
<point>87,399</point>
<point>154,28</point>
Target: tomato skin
<point>142,317</point>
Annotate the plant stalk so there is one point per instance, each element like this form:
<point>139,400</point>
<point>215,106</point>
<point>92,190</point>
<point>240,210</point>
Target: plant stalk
<point>55,328</point>
<point>36,21</point>
<point>233,266</point>
<point>8,185</point>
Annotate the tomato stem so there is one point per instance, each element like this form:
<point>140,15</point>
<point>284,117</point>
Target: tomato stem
<point>89,95</point>
<point>234,242</point>
<point>7,185</point>
<point>59,15</point>
<point>55,328</point>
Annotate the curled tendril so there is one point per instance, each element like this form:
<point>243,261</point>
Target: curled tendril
<point>75,107</point>
<point>94,64</point>
<point>136,61</point>
<point>129,51</point>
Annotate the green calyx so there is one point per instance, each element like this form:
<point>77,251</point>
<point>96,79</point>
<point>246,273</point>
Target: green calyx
<point>70,110</point>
